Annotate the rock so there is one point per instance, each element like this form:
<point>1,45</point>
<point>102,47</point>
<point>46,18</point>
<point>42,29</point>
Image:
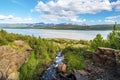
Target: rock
<point>13,76</point>
<point>118,62</point>
<point>1,75</point>
<point>103,64</point>
<point>12,58</point>
<point>62,68</point>
<point>105,57</point>
<point>88,54</point>
<point>81,75</point>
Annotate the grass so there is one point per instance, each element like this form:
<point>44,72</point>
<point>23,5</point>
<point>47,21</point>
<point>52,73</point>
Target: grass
<point>74,57</point>
<point>29,69</point>
<point>34,66</point>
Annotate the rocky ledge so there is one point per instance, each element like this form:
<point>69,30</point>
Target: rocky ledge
<point>12,57</point>
<point>103,64</point>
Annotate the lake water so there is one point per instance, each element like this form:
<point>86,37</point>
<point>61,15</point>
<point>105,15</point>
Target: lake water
<point>69,34</point>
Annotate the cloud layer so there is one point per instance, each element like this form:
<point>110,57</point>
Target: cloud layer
<point>112,18</point>
<point>13,19</point>
<point>116,5</point>
<point>71,9</point>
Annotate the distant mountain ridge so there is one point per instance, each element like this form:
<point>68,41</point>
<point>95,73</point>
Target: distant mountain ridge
<point>66,26</point>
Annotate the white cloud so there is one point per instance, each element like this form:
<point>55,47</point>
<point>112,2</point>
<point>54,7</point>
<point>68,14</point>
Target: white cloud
<point>28,19</point>
<point>78,20</point>
<point>70,9</point>
<point>49,17</point>
<point>109,21</point>
<point>13,19</point>
<point>112,18</point>
<point>116,5</point>
<point>2,17</point>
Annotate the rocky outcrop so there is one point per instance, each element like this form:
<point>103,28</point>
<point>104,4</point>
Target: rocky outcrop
<point>104,64</point>
<point>12,57</point>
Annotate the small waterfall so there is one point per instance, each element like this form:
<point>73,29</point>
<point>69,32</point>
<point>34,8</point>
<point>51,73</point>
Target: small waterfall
<point>51,72</point>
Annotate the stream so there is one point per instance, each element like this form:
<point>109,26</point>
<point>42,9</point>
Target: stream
<point>51,72</point>
<point>57,70</point>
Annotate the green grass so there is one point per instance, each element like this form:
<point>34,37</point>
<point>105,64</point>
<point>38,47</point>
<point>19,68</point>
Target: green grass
<point>28,70</point>
<point>34,66</point>
<point>74,57</point>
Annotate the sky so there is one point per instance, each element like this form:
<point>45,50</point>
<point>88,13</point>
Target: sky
<point>60,11</point>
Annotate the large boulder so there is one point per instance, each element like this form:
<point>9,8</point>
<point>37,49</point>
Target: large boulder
<point>62,68</point>
<point>12,57</point>
<point>103,64</point>
<point>105,57</point>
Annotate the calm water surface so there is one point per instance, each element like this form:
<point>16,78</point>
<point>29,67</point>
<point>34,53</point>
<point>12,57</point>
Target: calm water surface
<point>69,34</point>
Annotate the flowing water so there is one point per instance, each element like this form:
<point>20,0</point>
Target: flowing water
<point>51,72</point>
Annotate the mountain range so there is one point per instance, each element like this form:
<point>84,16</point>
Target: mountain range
<point>61,26</point>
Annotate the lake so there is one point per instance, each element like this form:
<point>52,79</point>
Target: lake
<point>69,34</point>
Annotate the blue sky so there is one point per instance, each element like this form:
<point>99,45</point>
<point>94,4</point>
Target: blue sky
<point>60,11</point>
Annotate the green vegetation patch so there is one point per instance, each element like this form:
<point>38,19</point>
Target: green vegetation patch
<point>28,70</point>
<point>74,57</point>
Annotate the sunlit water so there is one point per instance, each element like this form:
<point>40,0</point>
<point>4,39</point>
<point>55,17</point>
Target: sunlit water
<point>69,34</point>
